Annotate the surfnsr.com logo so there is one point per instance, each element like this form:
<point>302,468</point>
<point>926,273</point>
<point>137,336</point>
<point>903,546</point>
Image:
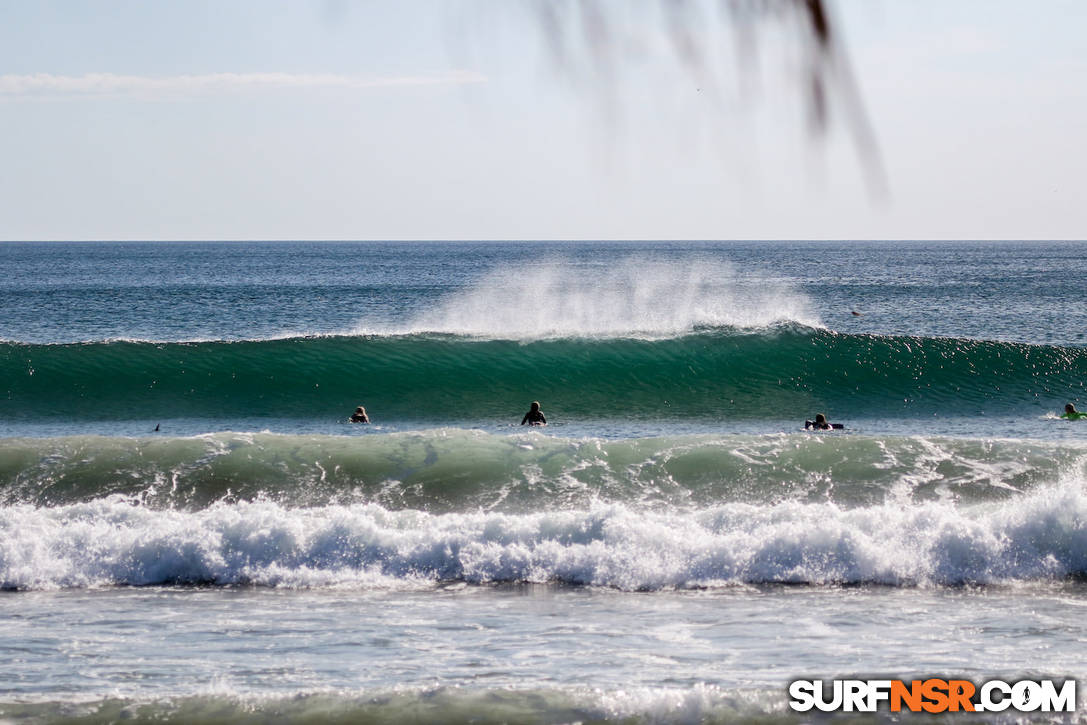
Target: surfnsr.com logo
<point>932,695</point>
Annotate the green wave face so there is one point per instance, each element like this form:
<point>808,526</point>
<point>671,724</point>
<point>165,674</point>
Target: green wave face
<point>449,379</point>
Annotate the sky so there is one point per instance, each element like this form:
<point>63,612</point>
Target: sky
<point>467,119</point>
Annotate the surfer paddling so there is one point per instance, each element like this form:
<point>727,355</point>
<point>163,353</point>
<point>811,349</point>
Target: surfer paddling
<point>534,416</point>
<point>820,423</point>
<point>1070,413</point>
<point>359,416</point>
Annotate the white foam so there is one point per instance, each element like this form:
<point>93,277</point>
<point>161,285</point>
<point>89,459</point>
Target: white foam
<point>632,297</point>
<point>113,541</point>
<point>695,704</point>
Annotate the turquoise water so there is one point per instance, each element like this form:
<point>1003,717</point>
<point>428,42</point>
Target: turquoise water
<point>672,547</point>
<point>711,378</point>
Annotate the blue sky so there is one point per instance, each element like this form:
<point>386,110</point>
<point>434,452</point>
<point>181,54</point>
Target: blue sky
<point>450,119</point>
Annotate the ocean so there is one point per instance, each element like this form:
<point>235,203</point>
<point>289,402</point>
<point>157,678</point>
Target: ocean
<point>192,530</point>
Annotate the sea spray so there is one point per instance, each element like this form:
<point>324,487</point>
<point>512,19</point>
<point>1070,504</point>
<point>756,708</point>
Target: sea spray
<point>624,297</point>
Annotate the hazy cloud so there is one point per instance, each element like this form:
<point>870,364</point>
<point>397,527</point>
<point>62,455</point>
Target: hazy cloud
<point>99,84</point>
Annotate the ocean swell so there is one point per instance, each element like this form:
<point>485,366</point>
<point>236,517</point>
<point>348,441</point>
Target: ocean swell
<point>444,379</point>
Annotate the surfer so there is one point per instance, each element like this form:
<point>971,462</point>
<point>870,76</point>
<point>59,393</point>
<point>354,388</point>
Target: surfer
<point>820,423</point>
<point>534,416</point>
<point>359,416</point>
<point>1071,413</point>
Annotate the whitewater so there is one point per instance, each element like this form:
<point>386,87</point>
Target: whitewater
<point>191,529</point>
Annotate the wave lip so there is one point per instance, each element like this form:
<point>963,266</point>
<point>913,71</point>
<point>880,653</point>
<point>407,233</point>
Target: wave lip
<point>112,541</point>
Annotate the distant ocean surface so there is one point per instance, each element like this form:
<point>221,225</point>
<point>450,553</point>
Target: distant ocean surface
<point>191,529</point>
